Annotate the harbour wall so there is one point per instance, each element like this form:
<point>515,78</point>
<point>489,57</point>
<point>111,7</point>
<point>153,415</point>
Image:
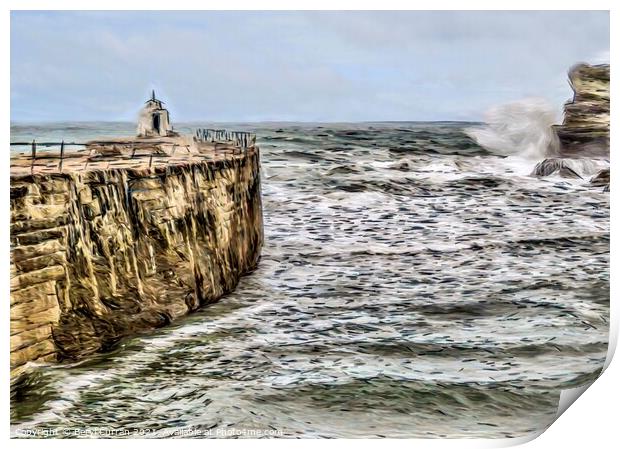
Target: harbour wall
<point>101,254</point>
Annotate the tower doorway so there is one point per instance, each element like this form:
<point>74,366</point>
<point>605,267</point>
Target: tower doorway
<point>156,124</point>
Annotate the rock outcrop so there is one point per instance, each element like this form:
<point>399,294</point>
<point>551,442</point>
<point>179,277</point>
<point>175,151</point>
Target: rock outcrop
<point>581,168</point>
<point>584,134</point>
<point>585,130</point>
<point>601,179</point>
<point>100,254</point>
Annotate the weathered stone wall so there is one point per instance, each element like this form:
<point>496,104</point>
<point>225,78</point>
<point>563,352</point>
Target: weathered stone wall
<point>100,254</point>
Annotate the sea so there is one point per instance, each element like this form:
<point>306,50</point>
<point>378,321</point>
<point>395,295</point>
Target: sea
<point>413,284</point>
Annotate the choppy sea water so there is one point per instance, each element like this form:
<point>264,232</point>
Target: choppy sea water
<point>412,284</point>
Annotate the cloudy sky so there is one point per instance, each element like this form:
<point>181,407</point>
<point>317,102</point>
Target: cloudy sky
<point>295,66</point>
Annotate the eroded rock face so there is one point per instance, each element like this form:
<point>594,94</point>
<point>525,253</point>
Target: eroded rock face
<point>585,130</point>
<point>101,254</point>
<point>584,134</point>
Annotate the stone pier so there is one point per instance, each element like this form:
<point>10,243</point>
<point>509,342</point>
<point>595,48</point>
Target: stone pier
<point>120,241</point>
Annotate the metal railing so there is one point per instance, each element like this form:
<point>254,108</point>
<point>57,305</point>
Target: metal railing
<point>46,155</point>
<point>237,138</point>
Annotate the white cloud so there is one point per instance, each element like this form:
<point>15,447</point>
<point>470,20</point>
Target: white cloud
<point>338,66</point>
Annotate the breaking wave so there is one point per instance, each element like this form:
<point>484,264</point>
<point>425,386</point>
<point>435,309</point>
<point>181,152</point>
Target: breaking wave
<point>522,129</point>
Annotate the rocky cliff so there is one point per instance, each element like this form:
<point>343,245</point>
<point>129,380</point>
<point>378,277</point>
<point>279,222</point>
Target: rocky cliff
<point>584,134</point>
<point>100,254</point>
<point>585,130</point>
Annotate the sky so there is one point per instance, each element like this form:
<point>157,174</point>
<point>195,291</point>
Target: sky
<point>316,66</point>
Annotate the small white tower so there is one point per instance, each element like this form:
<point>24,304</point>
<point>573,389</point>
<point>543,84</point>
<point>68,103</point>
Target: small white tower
<point>154,120</point>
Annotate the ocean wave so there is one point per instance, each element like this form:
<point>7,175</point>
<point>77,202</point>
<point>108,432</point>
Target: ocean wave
<point>522,128</point>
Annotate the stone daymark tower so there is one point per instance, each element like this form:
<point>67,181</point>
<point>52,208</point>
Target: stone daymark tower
<point>154,120</point>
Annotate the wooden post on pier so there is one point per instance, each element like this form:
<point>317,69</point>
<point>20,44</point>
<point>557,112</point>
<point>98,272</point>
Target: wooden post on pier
<point>34,156</point>
<point>62,155</point>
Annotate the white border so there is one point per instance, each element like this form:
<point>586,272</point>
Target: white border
<point>592,421</point>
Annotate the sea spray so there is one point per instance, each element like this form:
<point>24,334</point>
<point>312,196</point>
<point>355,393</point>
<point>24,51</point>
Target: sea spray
<point>522,129</point>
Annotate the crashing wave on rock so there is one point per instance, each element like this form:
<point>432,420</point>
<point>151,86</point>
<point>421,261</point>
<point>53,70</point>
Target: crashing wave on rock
<point>582,168</point>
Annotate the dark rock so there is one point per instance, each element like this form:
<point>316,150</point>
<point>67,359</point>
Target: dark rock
<point>601,179</point>
<point>570,167</point>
